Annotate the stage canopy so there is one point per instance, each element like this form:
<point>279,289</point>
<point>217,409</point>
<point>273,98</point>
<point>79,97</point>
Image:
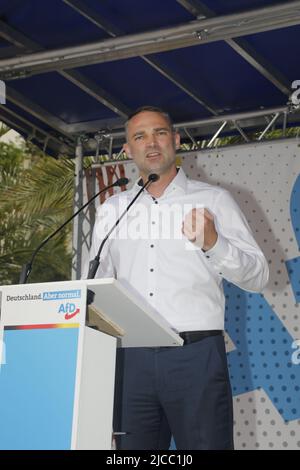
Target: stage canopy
<point>79,67</point>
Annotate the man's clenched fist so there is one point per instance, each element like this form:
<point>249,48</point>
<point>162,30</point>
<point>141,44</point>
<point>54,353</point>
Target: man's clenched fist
<point>199,228</point>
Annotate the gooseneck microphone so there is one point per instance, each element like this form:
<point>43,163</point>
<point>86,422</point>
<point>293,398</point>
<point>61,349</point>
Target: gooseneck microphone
<point>94,264</point>
<point>27,268</point>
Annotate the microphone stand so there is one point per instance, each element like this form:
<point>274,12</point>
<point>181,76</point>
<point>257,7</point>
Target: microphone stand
<point>94,264</point>
<point>27,268</point>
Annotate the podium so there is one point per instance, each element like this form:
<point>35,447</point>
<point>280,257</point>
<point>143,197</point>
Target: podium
<point>56,373</point>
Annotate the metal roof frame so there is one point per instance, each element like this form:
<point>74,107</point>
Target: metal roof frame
<point>113,31</point>
<point>209,128</point>
<point>243,48</point>
<point>132,45</point>
<point>207,27</point>
<point>19,39</point>
<point>23,58</point>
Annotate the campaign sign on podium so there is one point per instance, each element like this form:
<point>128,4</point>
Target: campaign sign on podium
<point>57,374</point>
<point>54,370</point>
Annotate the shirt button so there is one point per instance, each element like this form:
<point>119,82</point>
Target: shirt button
<point>151,270</point>
<point>151,246</point>
<point>207,256</point>
<point>151,294</point>
<point>153,223</point>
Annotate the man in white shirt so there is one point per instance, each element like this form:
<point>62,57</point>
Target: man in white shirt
<point>181,391</point>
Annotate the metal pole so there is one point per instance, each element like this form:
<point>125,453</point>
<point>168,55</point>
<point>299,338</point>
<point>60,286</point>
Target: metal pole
<point>192,33</point>
<point>216,134</point>
<point>241,131</point>
<point>284,123</point>
<point>78,221</point>
<point>195,146</point>
<point>269,125</point>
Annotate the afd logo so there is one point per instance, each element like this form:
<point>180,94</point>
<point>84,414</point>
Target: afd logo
<point>69,310</point>
<point>62,295</point>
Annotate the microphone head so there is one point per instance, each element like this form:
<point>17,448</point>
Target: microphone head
<point>153,177</point>
<point>122,182</point>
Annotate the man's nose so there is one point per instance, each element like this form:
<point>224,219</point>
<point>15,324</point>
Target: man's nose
<point>151,140</point>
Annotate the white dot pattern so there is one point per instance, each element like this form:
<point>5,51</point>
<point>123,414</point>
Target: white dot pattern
<point>261,177</point>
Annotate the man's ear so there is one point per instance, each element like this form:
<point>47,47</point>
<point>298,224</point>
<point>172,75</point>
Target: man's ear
<point>177,140</point>
<point>126,150</point>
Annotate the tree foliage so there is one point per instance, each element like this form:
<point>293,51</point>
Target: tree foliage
<point>36,196</point>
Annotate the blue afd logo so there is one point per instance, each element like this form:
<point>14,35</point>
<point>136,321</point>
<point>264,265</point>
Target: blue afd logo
<point>69,310</point>
<point>266,355</point>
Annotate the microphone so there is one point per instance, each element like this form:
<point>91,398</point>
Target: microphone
<point>152,178</point>
<point>94,264</point>
<point>27,268</point>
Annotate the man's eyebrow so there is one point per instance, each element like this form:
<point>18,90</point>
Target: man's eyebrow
<point>138,133</point>
<point>156,129</point>
<point>162,129</point>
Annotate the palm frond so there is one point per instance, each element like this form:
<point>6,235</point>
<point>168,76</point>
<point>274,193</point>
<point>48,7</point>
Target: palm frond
<point>48,184</point>
<point>36,196</point>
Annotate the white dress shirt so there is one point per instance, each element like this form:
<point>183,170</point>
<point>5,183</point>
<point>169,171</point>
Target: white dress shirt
<point>180,281</point>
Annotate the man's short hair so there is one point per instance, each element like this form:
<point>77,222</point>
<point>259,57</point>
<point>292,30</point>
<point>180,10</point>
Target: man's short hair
<point>152,109</point>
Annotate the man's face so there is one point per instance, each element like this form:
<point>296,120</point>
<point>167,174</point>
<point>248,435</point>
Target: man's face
<point>151,143</point>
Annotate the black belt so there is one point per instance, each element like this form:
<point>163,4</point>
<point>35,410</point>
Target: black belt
<point>193,336</point>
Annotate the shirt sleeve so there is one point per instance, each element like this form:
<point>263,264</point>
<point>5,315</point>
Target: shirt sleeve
<point>236,255</point>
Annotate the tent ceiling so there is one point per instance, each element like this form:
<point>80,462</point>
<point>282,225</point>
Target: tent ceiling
<point>81,66</point>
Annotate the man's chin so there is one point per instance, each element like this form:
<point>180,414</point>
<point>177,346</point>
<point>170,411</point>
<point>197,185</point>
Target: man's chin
<point>157,168</point>
<point>160,169</point>
<point>153,169</point>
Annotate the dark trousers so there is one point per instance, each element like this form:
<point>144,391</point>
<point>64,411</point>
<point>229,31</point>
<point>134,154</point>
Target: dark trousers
<point>180,391</point>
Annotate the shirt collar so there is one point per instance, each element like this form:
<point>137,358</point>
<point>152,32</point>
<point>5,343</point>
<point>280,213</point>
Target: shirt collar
<point>178,184</point>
